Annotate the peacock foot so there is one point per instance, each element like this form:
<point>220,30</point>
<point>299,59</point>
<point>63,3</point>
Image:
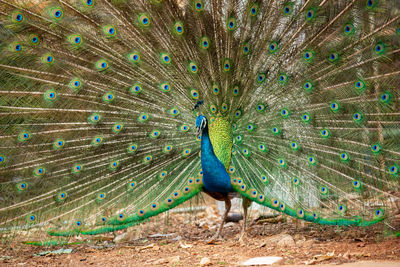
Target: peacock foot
<point>214,239</point>
<point>242,239</point>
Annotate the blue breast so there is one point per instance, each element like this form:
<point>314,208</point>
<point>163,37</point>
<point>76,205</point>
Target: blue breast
<point>215,177</point>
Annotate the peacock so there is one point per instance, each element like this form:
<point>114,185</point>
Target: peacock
<point>114,111</point>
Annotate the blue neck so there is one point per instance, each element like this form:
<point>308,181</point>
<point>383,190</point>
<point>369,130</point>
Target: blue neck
<point>206,146</point>
<point>215,177</point>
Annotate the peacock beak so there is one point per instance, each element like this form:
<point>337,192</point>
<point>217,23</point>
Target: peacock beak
<point>198,131</point>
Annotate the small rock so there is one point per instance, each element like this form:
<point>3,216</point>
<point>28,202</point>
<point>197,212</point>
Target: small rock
<point>308,243</point>
<point>162,235</point>
<point>160,261</point>
<point>229,224</point>
<point>184,245</point>
<point>174,260</point>
<point>299,237</point>
<point>273,240</point>
<point>262,261</point>
<point>205,262</point>
<point>54,252</point>
<point>125,237</point>
<point>176,238</point>
<point>262,245</point>
<point>286,241</point>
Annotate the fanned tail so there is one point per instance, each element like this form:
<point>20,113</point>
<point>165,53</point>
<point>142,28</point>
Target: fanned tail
<point>97,119</point>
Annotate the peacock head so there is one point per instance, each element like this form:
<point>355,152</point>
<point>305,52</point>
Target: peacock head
<point>201,123</point>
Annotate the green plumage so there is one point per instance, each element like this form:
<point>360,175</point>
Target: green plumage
<point>97,126</point>
<point>221,139</point>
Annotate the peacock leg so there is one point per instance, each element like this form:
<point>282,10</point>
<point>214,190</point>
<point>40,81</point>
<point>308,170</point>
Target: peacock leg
<point>227,209</point>
<point>246,204</point>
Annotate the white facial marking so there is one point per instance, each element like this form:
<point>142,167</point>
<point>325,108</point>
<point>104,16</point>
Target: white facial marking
<point>203,123</point>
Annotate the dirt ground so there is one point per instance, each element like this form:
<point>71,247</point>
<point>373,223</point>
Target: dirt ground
<point>178,239</point>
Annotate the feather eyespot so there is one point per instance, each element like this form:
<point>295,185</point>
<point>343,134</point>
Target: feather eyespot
<point>198,5</point>
<point>264,178</point>
<point>310,14</point>
<point>154,206</point>
<point>323,190</point>
<point>370,4</point>
<point>147,159</point>
<point>282,162</point>
<point>144,20</point>
<point>376,148</point>
<point>385,98</point>
<point>261,78</point>
<point>356,184</point>
<point>300,213</point>
<point>226,64</point>
<point>262,148</point>
<point>31,218</point>
<point>169,201</point>
<point>358,117</point>
<point>21,186</point>
<point>141,213</point>
<point>335,107</point>
<point>178,28</point>
<point>311,161</point>
<point>394,170</point>
<point>378,213</point>
<point>186,152</point>
<point>117,127</point>
<point>133,58</point>
<point>273,47</point>
<point>287,9</point>
<point>245,49</point>
<point>143,117</point>
<point>62,196</point>
<point>344,157</point>
<point>231,24</point>
<point>121,217</point>
<point>341,209</point>
<point>325,133</point>
<point>77,168</point>
<point>109,97</point>
<point>17,17</point>
<point>94,118</point>
<point>109,31</point>
<point>113,165</point>
<point>193,68</point>
<point>39,171</point>
<point>88,2</point>
<point>97,141</point>
<point>333,57</point>
<point>131,185</point>
<point>348,29</point>
<point>165,87</point>
<point>204,43</point>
